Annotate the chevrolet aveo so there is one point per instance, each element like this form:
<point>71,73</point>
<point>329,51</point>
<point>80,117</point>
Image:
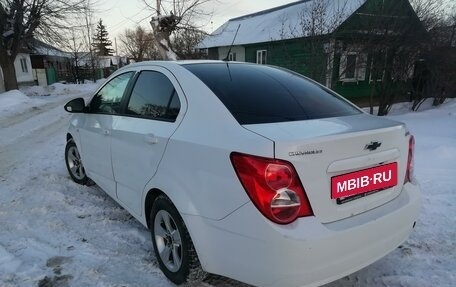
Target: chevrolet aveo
<point>247,171</point>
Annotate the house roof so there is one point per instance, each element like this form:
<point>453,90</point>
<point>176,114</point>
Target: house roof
<point>42,49</point>
<point>284,22</point>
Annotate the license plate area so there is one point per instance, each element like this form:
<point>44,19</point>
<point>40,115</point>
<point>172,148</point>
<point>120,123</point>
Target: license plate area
<point>354,185</point>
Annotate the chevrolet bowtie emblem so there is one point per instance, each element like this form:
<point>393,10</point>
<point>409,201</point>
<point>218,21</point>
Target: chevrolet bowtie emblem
<point>373,146</point>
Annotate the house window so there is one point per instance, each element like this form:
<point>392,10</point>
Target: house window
<point>232,57</point>
<point>261,57</point>
<point>351,66</point>
<point>24,65</point>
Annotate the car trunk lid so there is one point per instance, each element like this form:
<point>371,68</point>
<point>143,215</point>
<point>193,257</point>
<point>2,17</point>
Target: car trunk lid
<point>323,149</point>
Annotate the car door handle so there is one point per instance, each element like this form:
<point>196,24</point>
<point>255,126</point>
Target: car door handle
<point>151,139</point>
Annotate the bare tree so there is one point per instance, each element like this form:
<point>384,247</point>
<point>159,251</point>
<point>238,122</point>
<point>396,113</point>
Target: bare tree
<point>178,15</point>
<point>379,46</point>
<point>21,20</point>
<point>75,47</point>
<point>436,73</point>
<point>392,42</point>
<point>185,41</point>
<point>430,12</point>
<point>88,33</point>
<point>316,21</point>
<point>138,44</point>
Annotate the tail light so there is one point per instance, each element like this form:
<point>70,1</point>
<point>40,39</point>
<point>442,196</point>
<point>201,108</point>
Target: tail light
<point>273,186</point>
<point>410,161</point>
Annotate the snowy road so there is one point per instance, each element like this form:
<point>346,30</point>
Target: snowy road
<point>54,232</point>
<point>57,233</point>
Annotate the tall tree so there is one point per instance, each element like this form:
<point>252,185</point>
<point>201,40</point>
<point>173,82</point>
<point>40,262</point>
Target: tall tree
<point>21,20</point>
<point>101,42</point>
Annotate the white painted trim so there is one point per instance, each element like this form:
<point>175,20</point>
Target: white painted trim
<point>259,57</point>
<point>360,67</point>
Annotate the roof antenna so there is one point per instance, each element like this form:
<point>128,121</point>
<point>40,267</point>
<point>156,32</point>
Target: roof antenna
<point>229,51</point>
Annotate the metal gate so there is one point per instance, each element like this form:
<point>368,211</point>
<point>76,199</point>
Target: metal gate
<point>51,76</point>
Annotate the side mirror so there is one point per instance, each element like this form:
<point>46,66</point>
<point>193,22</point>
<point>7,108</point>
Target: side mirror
<point>75,106</point>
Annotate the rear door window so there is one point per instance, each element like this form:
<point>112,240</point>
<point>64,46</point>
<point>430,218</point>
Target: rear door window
<point>261,94</point>
<point>154,96</point>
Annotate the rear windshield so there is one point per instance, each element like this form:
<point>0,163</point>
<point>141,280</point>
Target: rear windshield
<point>256,94</point>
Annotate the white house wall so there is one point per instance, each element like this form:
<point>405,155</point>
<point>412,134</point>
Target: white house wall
<point>23,77</point>
<point>40,77</point>
<point>239,50</point>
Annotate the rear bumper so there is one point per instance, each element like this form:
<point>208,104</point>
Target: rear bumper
<point>247,247</point>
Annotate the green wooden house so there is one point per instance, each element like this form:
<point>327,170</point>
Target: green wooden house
<point>347,45</point>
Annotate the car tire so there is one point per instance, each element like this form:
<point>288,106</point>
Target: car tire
<point>172,244</point>
<point>74,164</point>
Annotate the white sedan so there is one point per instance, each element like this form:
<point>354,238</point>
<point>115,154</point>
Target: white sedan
<point>247,171</point>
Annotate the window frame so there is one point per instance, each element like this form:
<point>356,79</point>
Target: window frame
<point>24,65</point>
<point>259,60</point>
<point>360,67</point>
<point>232,56</point>
<point>354,67</point>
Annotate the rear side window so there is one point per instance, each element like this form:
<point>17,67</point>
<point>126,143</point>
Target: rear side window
<point>257,94</point>
<point>154,96</point>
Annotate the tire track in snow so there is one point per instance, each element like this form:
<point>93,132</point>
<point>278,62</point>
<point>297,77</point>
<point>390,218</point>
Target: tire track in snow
<point>29,113</point>
<point>19,140</point>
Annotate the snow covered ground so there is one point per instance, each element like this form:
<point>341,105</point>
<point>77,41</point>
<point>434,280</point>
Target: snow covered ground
<point>54,232</point>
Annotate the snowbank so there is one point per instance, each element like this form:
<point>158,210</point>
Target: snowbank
<point>59,89</point>
<point>406,107</point>
<point>30,100</point>
<point>12,98</point>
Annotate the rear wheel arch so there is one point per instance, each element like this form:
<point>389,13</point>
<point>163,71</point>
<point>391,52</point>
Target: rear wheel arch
<point>176,193</point>
<point>149,202</point>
